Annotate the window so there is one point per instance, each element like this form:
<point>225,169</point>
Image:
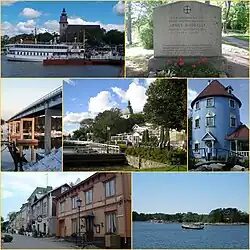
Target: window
<point>73,202</point>
<point>232,103</point>
<point>110,223</point>
<point>233,146</point>
<point>209,121</point>
<point>232,120</point>
<point>74,225</point>
<point>210,102</point>
<point>197,105</point>
<point>197,123</point>
<point>45,207</point>
<point>88,197</point>
<point>196,147</point>
<point>110,188</point>
<point>62,206</point>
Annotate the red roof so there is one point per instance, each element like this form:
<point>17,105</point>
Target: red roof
<point>242,132</point>
<point>215,88</point>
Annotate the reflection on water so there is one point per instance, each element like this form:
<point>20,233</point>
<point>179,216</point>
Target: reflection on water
<point>29,152</point>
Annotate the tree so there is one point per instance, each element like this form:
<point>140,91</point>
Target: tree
<point>114,37</point>
<point>166,104</point>
<point>112,119</point>
<point>87,123</point>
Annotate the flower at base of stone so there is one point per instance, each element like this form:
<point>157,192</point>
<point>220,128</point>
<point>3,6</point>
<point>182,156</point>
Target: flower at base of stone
<point>167,62</point>
<point>199,62</point>
<point>204,59</point>
<point>180,59</point>
<point>181,63</point>
<point>175,63</point>
<point>193,66</point>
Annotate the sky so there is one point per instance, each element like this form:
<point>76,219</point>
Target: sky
<point>240,87</point>
<point>16,94</point>
<point>86,98</point>
<point>17,187</point>
<point>189,192</point>
<point>22,17</point>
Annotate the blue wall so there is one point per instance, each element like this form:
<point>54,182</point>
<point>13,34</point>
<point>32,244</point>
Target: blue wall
<point>221,128</point>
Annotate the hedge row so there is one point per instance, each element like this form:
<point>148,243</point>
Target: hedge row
<point>173,157</point>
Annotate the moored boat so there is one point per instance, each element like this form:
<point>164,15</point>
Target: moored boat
<point>193,226</point>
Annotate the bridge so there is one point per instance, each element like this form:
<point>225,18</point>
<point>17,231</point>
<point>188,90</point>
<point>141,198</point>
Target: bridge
<point>49,105</point>
<point>82,154</point>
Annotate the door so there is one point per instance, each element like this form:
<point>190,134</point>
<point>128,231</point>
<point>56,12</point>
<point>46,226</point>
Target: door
<point>61,228</point>
<point>89,228</point>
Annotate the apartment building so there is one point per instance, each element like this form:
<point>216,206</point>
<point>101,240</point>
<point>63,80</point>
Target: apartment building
<point>44,210</point>
<point>105,208</point>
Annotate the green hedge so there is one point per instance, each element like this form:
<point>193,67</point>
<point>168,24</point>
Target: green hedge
<point>173,157</point>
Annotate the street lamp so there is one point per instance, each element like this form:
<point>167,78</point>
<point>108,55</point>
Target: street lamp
<point>79,204</point>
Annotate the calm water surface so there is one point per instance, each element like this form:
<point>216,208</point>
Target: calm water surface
<point>36,69</point>
<point>155,235</point>
<point>29,151</point>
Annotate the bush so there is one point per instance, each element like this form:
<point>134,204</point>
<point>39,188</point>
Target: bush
<point>246,164</point>
<point>123,148</point>
<point>73,235</point>
<point>174,157</point>
<point>7,238</point>
<point>146,36</point>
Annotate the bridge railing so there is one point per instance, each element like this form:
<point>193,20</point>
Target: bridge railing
<point>49,95</point>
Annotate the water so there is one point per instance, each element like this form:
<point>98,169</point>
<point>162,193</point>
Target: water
<point>29,151</point>
<point>150,235</point>
<point>36,69</point>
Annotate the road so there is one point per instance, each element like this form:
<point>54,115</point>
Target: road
<point>238,42</point>
<point>28,242</point>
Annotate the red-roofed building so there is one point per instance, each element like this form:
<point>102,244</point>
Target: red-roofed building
<point>216,126</point>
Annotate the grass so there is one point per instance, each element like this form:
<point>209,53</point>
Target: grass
<point>181,168</point>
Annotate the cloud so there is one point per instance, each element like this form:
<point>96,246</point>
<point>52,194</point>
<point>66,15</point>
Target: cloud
<point>73,99</point>
<point>191,96</point>
<point>76,118</point>
<point>119,8</point>
<point>6,194</point>
<point>52,25</point>
<point>136,94</point>
<point>9,2</point>
<point>101,102</point>
<point>30,13</point>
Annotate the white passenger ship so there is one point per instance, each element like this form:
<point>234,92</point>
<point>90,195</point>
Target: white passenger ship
<point>38,52</point>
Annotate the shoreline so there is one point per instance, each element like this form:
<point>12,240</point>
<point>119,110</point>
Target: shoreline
<point>206,224</point>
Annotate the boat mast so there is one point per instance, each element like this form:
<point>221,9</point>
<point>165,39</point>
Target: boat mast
<point>83,39</point>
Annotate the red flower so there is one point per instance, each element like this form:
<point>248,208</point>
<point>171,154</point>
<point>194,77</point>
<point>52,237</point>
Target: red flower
<point>181,63</point>
<point>199,62</point>
<point>167,62</point>
<point>180,59</point>
<point>193,66</point>
<point>204,59</point>
<point>175,63</point>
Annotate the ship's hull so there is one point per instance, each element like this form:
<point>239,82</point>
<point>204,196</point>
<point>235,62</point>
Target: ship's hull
<point>20,58</point>
<point>192,227</point>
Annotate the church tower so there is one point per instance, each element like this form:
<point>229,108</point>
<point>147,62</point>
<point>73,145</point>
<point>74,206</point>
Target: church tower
<point>63,22</point>
<point>128,111</point>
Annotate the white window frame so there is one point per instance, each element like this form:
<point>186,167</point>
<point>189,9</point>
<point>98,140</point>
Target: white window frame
<point>196,105</point>
<point>197,119</point>
<point>196,143</point>
<point>233,102</point>
<point>89,197</point>
<point>233,116</point>
<point>62,206</point>
<point>73,202</point>
<point>212,102</point>
<point>210,115</point>
<point>110,188</point>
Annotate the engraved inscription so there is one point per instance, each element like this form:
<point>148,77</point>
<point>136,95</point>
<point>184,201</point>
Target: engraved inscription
<point>176,50</point>
<point>184,25</point>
